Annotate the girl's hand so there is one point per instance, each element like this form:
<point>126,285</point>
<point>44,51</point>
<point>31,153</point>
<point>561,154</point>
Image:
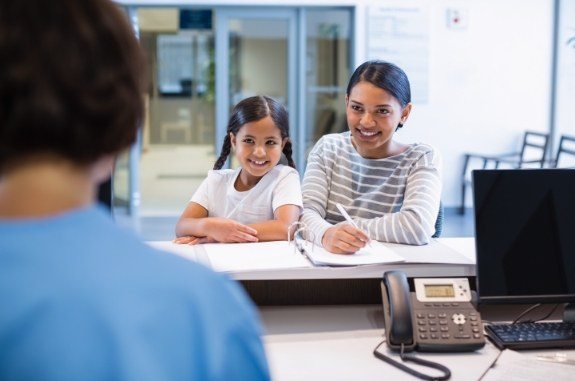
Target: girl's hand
<point>199,240</point>
<point>344,239</point>
<point>185,240</point>
<point>228,231</point>
<point>192,240</point>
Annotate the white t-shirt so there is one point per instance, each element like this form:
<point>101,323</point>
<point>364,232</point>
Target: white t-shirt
<point>280,186</point>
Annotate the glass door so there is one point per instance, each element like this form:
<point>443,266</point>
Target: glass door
<point>176,147</point>
<point>256,55</point>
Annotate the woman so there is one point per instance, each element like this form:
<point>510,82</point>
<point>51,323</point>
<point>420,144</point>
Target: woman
<point>390,189</point>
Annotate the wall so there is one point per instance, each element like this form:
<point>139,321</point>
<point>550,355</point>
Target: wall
<point>565,108</point>
<point>487,83</point>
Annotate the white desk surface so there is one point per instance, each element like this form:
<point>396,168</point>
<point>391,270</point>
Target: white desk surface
<point>461,250</point>
<point>458,252</point>
<point>336,343</point>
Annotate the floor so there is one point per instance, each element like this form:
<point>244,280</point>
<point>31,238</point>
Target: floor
<point>162,228</point>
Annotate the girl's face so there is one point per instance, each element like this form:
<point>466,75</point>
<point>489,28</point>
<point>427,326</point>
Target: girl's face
<point>372,116</point>
<point>258,147</point>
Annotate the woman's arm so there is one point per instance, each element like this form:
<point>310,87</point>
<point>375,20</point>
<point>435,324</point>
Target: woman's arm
<point>414,224</point>
<point>340,238</point>
<point>195,223</point>
<point>315,192</point>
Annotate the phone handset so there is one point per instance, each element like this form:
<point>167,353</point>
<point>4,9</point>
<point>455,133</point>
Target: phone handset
<point>397,315</point>
<point>399,328</point>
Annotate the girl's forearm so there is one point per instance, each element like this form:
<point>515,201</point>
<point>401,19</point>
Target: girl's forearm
<point>272,230</point>
<point>198,227</point>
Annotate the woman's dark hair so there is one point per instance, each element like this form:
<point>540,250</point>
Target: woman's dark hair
<point>71,80</point>
<point>384,75</point>
<point>253,109</point>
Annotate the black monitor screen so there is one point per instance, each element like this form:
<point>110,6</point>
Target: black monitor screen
<point>525,235</point>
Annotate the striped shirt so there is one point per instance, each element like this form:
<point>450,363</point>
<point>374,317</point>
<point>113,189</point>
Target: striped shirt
<point>394,199</point>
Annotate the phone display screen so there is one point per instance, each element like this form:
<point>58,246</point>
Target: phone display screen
<point>439,291</point>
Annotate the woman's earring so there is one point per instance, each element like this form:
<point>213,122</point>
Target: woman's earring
<point>398,126</point>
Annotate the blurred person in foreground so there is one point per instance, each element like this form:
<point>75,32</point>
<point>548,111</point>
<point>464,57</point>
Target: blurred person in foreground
<point>81,299</point>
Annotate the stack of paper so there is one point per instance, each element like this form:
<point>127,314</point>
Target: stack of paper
<point>374,253</point>
<point>254,256</point>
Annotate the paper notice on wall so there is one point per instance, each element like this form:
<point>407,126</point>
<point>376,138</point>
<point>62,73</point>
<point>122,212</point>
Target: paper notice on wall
<point>398,32</point>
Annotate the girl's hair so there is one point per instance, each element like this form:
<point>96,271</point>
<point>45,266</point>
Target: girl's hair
<point>253,109</point>
<point>384,75</point>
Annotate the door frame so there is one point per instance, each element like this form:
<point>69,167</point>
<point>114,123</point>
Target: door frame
<point>222,17</point>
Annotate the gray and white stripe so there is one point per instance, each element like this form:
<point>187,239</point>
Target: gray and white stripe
<point>395,199</point>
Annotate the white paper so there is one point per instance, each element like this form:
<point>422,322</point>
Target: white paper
<point>234,257</point>
<point>377,253</point>
<point>433,252</point>
<point>515,366</point>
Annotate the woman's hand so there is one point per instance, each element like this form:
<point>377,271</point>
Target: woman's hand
<point>344,239</point>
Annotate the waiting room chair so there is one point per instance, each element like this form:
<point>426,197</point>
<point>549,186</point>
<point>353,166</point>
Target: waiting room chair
<point>105,195</point>
<point>324,123</point>
<point>533,152</point>
<point>565,157</point>
<point>439,222</point>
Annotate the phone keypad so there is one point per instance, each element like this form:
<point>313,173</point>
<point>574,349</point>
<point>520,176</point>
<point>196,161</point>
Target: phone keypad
<point>436,326</point>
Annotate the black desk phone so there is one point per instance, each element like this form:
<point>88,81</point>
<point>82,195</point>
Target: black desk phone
<point>437,317</point>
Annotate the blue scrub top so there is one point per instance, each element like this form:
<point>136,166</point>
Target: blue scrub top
<point>80,299</point>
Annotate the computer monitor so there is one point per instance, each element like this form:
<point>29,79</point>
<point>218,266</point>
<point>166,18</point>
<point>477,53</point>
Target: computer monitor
<point>525,235</point>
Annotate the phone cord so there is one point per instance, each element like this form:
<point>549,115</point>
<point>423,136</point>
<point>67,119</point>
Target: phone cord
<point>404,357</point>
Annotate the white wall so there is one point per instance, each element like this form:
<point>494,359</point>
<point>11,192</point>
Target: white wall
<point>487,83</point>
<point>565,108</point>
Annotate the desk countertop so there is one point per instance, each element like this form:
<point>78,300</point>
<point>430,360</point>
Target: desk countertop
<point>336,343</point>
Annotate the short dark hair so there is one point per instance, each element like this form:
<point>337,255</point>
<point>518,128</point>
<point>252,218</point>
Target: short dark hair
<point>253,109</point>
<point>384,75</point>
<point>71,80</point>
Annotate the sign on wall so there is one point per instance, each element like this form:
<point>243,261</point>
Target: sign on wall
<point>399,33</point>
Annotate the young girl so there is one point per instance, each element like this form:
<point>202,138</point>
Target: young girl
<point>257,201</point>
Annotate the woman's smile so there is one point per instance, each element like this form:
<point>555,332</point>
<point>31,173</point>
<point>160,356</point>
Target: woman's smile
<point>367,134</point>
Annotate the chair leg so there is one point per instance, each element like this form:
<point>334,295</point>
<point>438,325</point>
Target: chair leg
<point>464,184</point>
<point>462,207</point>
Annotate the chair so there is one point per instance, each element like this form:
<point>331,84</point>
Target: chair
<point>438,222</point>
<point>533,152</point>
<point>324,122</point>
<point>565,157</point>
<point>105,195</point>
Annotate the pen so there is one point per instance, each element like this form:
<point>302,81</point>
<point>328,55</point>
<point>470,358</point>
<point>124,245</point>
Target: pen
<point>348,219</point>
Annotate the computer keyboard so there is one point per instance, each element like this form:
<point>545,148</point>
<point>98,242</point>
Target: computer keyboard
<point>532,335</point>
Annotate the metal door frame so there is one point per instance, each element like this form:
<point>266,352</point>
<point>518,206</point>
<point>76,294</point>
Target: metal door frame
<point>223,16</point>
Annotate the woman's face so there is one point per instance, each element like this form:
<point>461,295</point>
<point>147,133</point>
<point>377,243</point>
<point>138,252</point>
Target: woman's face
<point>372,116</point>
